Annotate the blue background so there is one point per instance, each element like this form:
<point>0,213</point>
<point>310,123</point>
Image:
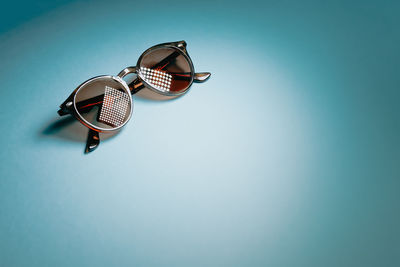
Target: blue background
<point>288,156</point>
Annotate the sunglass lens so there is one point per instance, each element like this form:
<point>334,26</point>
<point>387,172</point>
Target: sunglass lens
<point>103,103</point>
<point>166,69</point>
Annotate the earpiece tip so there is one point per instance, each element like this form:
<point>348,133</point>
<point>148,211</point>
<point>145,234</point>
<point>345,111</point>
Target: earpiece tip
<point>201,76</point>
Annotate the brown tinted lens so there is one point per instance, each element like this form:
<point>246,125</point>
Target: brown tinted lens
<point>166,69</point>
<point>103,103</point>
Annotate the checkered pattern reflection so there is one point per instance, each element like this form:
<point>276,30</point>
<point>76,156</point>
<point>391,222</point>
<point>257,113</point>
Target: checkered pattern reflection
<point>157,78</point>
<point>115,106</point>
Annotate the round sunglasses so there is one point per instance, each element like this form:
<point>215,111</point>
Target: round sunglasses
<point>104,103</point>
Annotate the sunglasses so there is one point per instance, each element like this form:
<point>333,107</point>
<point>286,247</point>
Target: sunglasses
<point>104,103</point>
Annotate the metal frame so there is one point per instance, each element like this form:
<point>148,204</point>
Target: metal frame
<point>88,124</point>
<point>180,47</point>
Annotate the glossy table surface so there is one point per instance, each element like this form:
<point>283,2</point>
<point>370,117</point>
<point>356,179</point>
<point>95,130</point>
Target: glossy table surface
<point>288,156</point>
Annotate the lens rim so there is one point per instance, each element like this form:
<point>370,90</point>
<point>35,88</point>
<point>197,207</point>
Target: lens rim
<point>181,51</point>
<point>90,125</point>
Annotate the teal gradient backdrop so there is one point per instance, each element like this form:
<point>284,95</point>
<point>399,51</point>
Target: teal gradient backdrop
<point>288,156</point>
